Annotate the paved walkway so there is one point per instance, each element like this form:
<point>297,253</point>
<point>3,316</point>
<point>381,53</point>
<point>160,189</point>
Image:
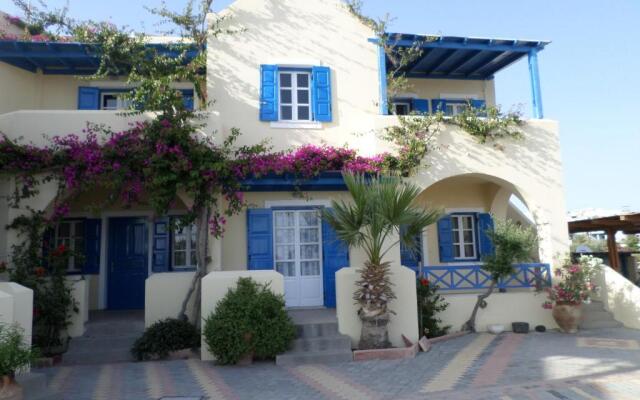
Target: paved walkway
<point>598,364</point>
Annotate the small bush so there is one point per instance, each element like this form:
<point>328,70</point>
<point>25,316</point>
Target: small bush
<point>249,319</point>
<point>164,337</point>
<point>14,353</point>
<point>430,303</point>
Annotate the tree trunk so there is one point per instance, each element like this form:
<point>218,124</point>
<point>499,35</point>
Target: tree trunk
<point>202,245</point>
<point>470,325</point>
<point>374,334</point>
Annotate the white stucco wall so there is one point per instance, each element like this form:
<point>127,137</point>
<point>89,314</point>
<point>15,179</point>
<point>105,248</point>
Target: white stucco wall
<point>80,293</point>
<point>163,295</point>
<point>216,285</point>
<point>451,88</point>
<point>620,297</point>
<point>16,306</point>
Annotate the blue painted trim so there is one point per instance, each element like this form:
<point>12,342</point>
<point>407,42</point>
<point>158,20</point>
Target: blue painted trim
<point>536,93</point>
<point>326,181</point>
<point>482,44</point>
<point>470,277</point>
<point>293,69</point>
<point>382,77</point>
<point>417,75</point>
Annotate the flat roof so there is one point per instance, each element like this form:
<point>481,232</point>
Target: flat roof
<point>66,58</point>
<point>459,57</point>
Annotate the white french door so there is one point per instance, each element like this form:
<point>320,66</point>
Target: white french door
<point>298,256</point>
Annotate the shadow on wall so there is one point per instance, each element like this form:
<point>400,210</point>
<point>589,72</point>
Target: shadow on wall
<point>620,296</point>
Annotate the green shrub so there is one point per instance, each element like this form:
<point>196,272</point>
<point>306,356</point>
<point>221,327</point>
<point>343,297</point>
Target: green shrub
<point>430,303</point>
<point>14,353</point>
<point>164,337</point>
<point>249,319</point>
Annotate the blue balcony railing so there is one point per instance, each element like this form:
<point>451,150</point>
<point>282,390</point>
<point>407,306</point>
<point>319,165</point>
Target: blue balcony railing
<point>469,277</point>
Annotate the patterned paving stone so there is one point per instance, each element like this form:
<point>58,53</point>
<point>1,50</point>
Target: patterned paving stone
<point>535,366</point>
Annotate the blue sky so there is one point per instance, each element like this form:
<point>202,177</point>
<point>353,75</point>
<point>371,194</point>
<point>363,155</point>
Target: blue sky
<point>589,74</point>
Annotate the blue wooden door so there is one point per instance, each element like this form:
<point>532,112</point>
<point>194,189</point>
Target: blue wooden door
<point>128,263</point>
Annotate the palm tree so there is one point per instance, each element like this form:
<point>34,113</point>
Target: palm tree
<point>380,206</point>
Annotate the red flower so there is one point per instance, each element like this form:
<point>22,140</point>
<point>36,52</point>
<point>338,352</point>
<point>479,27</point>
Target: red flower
<point>59,250</point>
<point>424,282</point>
<point>40,271</point>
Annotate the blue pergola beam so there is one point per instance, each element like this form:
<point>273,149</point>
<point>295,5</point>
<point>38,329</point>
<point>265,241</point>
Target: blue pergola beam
<point>536,93</point>
<point>490,45</point>
<point>382,76</point>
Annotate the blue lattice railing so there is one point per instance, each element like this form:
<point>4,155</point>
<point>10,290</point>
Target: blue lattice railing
<point>468,277</point>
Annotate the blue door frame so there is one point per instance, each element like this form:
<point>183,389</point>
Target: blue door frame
<point>128,263</point>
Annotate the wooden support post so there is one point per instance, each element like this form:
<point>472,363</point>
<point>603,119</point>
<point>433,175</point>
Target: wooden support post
<point>614,259</point>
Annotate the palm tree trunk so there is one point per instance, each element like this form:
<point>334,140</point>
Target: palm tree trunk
<point>470,325</point>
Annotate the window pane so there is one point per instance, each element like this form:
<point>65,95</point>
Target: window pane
<point>468,236</point>
<point>310,268</point>
<point>454,237</point>
<point>286,268</point>
<point>285,236</point>
<point>179,242</point>
<point>193,237</point>
<point>448,110</point>
<point>64,230</point>
<point>303,80</point>
<point>309,252</point>
<point>286,113</point>
<point>179,259</point>
<point>284,219</point>
<point>285,252</point>
<point>285,96</point>
<point>78,244</point>
<point>456,251</point>
<point>468,223</point>
<point>194,259</point>
<point>309,218</point>
<point>78,229</point>
<point>303,97</point>
<point>303,112</point>
<point>468,250</point>
<point>309,235</point>
<point>401,109</point>
<point>285,80</point>
<point>454,222</point>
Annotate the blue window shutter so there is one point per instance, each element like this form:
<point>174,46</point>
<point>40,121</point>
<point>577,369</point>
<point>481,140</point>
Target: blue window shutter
<point>161,245</point>
<point>408,257</point>
<point>485,223</point>
<point>88,98</point>
<point>438,105</point>
<point>478,103</point>
<point>187,99</point>
<point>268,92</point>
<point>321,94</point>
<point>48,243</point>
<point>92,233</point>
<point>259,238</point>
<point>420,105</point>
<point>445,239</point>
<point>335,255</point>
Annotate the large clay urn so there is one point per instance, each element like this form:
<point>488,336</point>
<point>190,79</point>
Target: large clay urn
<point>9,389</point>
<point>567,316</point>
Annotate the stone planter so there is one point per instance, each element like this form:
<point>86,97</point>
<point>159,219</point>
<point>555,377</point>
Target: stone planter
<point>567,316</point>
<point>10,390</point>
<point>375,334</point>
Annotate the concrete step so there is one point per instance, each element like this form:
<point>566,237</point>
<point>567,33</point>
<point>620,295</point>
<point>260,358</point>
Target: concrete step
<point>34,386</point>
<point>105,356</point>
<point>314,357</point>
<point>322,343</point>
<point>593,306</point>
<point>600,315</point>
<point>313,330</point>
<point>600,324</point>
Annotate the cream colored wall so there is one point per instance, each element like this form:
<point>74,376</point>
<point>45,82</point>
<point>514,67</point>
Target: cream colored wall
<point>23,87</point>
<point>620,297</point>
<point>16,306</point>
<point>436,88</point>
<point>163,295</point>
<point>502,308</point>
<point>215,286</point>
<point>302,32</point>
<point>80,293</point>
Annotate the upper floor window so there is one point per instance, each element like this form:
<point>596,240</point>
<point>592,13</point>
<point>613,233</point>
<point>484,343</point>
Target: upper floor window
<point>455,108</point>
<point>96,98</point>
<point>401,108</point>
<point>113,101</point>
<point>296,97</point>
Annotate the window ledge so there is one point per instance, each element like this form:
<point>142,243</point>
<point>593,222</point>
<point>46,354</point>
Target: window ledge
<point>297,125</point>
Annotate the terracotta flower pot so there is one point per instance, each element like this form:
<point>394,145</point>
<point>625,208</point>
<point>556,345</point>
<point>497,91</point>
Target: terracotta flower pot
<point>567,316</point>
<point>10,390</point>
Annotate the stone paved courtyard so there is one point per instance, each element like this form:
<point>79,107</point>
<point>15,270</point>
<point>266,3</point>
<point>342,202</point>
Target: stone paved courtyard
<point>598,364</point>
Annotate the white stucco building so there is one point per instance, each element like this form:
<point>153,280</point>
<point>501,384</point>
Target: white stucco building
<point>304,72</point>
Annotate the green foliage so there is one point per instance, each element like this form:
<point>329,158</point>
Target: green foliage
<point>574,282</point>
<point>632,242</point>
<point>430,304</point>
<point>582,239</point>
<point>414,135</point>
<point>513,244</point>
<point>488,123</point>
<point>53,302</point>
<point>14,353</point>
<point>380,206</point>
<point>163,337</point>
<point>250,319</point>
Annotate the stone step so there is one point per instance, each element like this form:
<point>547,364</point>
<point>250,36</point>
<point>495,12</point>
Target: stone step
<point>34,386</point>
<point>314,357</point>
<point>317,329</point>
<point>600,315</point>
<point>322,343</point>
<point>612,323</point>
<point>593,306</point>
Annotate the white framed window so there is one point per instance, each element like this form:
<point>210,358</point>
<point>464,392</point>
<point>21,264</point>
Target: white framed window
<point>71,235</point>
<point>455,108</point>
<point>113,101</point>
<point>298,243</point>
<point>295,96</point>
<point>401,108</point>
<point>463,231</point>
<point>183,247</point>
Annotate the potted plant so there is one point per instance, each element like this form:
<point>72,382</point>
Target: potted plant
<point>14,355</point>
<point>574,286</point>
<point>379,207</point>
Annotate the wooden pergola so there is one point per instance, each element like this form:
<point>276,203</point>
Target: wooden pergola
<point>627,223</point>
